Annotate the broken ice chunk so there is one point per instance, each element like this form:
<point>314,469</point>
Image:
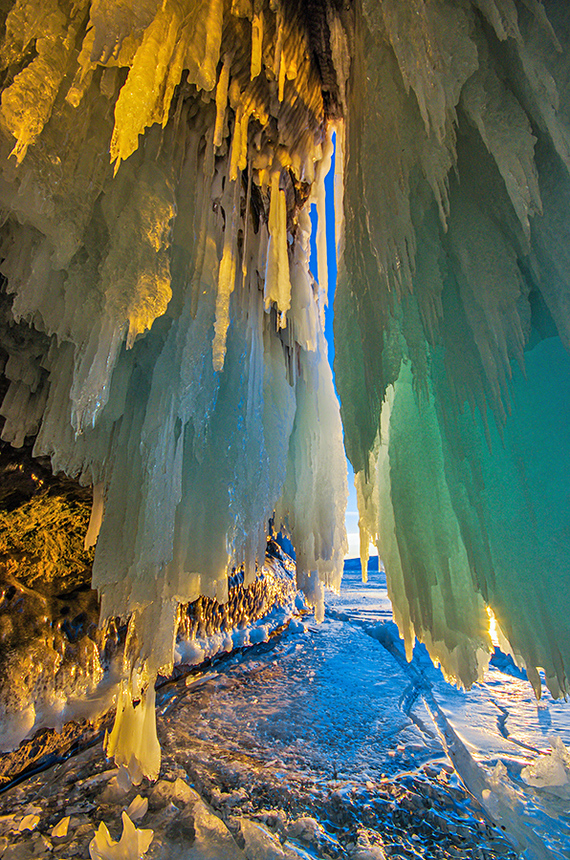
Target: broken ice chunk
<point>29,822</point>
<point>132,844</point>
<point>61,828</point>
<point>138,808</point>
<point>552,771</point>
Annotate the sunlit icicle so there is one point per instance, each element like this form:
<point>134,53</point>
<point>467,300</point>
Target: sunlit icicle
<point>339,186</point>
<point>256,44</point>
<point>243,133</point>
<point>277,277</point>
<point>226,280</point>
<point>237,144</point>
<point>279,60</point>
<point>28,102</point>
<point>221,101</point>
<point>323,168</point>
<point>135,110</point>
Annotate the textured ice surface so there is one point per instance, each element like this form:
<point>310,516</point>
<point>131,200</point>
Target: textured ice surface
<point>164,340</point>
<point>452,323</point>
<point>292,748</point>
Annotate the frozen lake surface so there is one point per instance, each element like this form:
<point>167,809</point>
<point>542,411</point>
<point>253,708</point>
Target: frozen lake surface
<point>323,743</point>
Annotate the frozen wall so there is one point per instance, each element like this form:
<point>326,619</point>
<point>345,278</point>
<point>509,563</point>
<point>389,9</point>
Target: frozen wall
<point>164,339</point>
<point>452,321</point>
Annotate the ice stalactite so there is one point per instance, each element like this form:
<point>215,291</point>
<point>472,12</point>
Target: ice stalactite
<point>155,247</point>
<point>452,322</point>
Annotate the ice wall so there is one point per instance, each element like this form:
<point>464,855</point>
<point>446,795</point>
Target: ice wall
<point>164,338</point>
<point>452,321</point>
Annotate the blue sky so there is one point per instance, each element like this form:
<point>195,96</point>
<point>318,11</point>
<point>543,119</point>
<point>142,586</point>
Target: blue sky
<point>352,510</point>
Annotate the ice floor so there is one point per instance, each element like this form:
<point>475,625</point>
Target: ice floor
<point>321,743</point>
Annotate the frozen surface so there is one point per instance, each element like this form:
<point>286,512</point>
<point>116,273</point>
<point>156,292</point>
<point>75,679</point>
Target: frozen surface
<point>509,748</point>
<point>294,749</point>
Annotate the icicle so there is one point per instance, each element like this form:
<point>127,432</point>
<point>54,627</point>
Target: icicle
<point>245,249</point>
<point>323,168</point>
<point>277,278</point>
<point>222,101</point>
<point>226,279</point>
<point>133,741</point>
<point>256,43</point>
<point>366,497</point>
<point>339,187</point>
<point>96,515</point>
<point>243,140</point>
<point>28,102</point>
<point>207,177</point>
<point>84,73</point>
<point>237,143</point>
<point>203,47</point>
<point>279,61</point>
<point>242,9</point>
<point>136,107</point>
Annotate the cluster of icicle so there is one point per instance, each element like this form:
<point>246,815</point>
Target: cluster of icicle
<point>166,337</point>
<point>453,321</point>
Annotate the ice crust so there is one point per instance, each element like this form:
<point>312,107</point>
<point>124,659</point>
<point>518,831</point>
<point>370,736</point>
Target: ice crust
<point>451,322</point>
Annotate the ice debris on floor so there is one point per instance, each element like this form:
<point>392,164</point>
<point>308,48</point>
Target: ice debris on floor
<point>551,771</point>
<point>133,844</point>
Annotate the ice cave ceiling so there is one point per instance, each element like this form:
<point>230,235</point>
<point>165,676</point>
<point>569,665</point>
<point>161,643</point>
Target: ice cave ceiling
<point>163,336</point>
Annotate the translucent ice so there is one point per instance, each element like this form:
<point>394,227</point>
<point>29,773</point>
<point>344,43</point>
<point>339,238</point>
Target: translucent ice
<point>133,844</point>
<point>452,323</point>
<point>163,333</point>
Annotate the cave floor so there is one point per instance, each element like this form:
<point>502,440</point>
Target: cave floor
<point>321,743</point>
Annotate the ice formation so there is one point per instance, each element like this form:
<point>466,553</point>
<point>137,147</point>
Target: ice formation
<point>133,844</point>
<point>451,321</point>
<point>164,336</point>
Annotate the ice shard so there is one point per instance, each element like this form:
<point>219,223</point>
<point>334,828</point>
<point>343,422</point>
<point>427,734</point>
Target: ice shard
<point>163,334</point>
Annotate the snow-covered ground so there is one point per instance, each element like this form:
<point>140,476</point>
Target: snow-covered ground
<point>321,742</point>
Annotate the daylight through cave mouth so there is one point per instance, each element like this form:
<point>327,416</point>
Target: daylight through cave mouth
<point>164,336</point>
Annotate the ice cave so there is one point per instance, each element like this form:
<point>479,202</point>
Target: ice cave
<point>174,479</point>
